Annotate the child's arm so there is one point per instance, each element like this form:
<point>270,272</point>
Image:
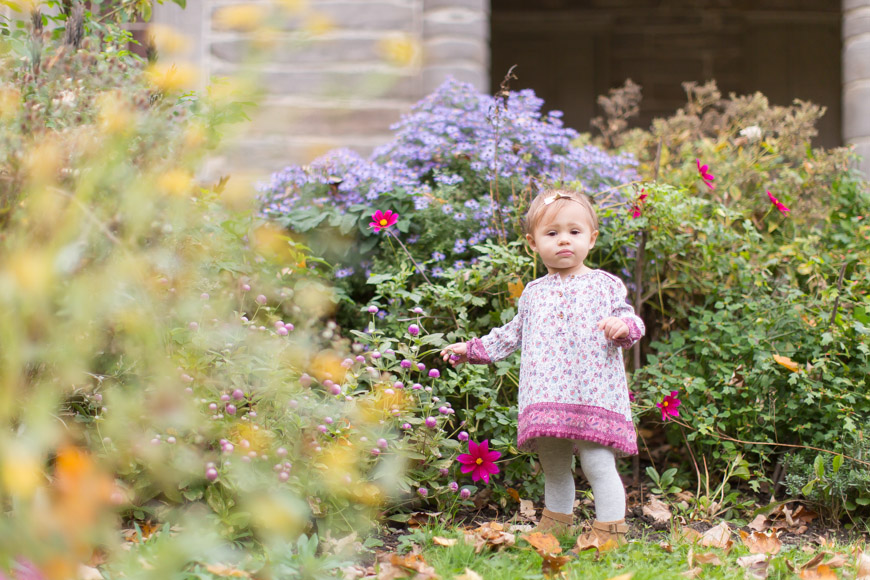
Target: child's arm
<point>623,327</point>
<point>495,346</point>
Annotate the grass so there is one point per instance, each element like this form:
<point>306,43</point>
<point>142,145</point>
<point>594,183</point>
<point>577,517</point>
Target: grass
<point>643,558</point>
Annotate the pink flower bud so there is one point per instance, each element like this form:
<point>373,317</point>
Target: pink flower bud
<point>225,397</point>
<point>238,394</point>
<point>465,493</point>
<point>398,385</point>
<point>204,296</point>
<point>406,426</point>
<point>360,358</point>
<point>261,299</point>
<point>431,422</point>
<point>335,390</point>
<point>453,486</point>
<point>211,474</point>
<point>443,410</point>
<point>423,491</point>
<point>373,309</point>
<point>282,331</point>
<point>231,409</point>
<point>417,310</point>
<point>463,436</point>
<point>305,380</point>
<point>413,330</point>
<point>406,364</point>
<point>416,386</point>
<point>212,407</point>
<point>434,373</point>
<point>280,452</point>
<point>289,327</point>
<point>246,287</point>
<point>375,355</point>
<point>193,325</point>
<point>283,476</point>
<point>382,443</point>
<point>376,451</point>
<point>279,324</point>
<point>421,366</point>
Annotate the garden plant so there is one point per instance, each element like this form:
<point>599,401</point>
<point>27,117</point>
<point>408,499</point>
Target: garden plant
<point>206,377</point>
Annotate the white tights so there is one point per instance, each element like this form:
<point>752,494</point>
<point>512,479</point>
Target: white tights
<point>599,466</point>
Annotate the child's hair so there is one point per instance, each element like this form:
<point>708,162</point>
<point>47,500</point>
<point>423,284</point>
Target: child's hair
<point>556,199</point>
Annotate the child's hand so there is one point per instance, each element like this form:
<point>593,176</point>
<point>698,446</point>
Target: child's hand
<point>614,328</point>
<point>455,353</point>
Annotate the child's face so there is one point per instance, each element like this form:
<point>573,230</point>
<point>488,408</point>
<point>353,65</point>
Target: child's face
<point>563,239</point>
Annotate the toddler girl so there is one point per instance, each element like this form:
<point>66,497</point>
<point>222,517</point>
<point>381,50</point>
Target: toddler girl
<point>573,397</point>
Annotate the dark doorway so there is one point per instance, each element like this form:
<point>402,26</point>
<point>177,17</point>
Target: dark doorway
<point>571,51</point>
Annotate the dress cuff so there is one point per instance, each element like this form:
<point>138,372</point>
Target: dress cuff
<point>634,334</point>
<point>476,352</point>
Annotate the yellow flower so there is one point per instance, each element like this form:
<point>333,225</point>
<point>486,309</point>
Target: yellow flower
<point>10,102</point>
<point>241,17</point>
<point>115,116</point>
<point>167,40</point>
<point>176,181</point>
<point>398,50</point>
<point>21,471</point>
<point>172,77</point>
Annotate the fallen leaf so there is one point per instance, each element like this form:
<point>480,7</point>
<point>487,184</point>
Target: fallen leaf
<point>786,362</point>
<point>414,563</point>
<point>527,509</point>
<point>820,573</point>
<point>708,558</point>
<point>657,510</point>
<point>717,537</point>
<point>515,495</point>
<point>691,573</point>
<point>759,524</point>
<point>490,534</point>
<point>446,542</point>
<point>626,576</point>
<point>551,565</point>
<point>863,566</point>
<point>227,571</point>
<point>357,571</point>
<point>666,546</point>
<point>690,535</point>
<point>543,543</point>
<point>838,561</point>
<point>815,560</point>
<point>469,575</point>
<point>761,543</point>
<point>756,565</point>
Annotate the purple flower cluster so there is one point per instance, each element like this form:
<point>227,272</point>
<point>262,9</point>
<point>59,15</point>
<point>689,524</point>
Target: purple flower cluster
<point>453,130</point>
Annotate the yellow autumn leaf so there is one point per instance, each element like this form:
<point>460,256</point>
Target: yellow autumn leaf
<point>515,289</point>
<point>786,362</point>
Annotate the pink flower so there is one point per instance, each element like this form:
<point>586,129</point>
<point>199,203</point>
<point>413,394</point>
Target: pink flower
<point>636,210</point>
<point>669,406</point>
<point>706,176</point>
<point>383,220</point>
<point>779,205</point>
<point>479,461</point>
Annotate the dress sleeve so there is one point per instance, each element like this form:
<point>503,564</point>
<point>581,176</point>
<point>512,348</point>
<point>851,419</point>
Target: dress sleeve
<point>620,308</point>
<point>500,342</point>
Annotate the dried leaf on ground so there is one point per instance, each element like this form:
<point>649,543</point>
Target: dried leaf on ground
<point>708,558</point>
<point>349,543</point>
<point>527,509</point>
<point>838,561</point>
<point>591,542</point>
<point>759,524</point>
<point>692,572</point>
<point>756,565</point>
<point>547,546</point>
<point>357,571</point>
<point>657,510</point>
<point>89,573</point>
<point>626,576</point>
<point>717,537</point>
<point>469,575</point>
<point>395,566</point>
<point>794,520</point>
<point>422,519</point>
<point>690,535</point>
<point>227,571</point>
<point>821,572</point>
<point>666,546</point>
<point>761,543</point>
<point>863,566</point>
<point>490,534</point>
<point>446,542</point>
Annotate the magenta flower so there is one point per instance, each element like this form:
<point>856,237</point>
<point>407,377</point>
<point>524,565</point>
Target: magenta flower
<point>636,210</point>
<point>669,406</point>
<point>381,220</point>
<point>479,461</point>
<point>706,176</point>
<point>779,205</point>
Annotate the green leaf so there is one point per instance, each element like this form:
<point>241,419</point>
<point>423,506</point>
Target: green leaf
<point>182,3</point>
<point>838,461</point>
<point>819,466</point>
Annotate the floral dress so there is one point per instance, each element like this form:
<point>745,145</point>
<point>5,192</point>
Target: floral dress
<point>572,379</point>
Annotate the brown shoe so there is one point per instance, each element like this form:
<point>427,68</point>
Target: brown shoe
<point>603,536</point>
<point>554,523</point>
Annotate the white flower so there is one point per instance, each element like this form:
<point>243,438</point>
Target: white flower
<point>753,132</point>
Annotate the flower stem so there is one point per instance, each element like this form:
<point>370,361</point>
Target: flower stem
<point>410,257</point>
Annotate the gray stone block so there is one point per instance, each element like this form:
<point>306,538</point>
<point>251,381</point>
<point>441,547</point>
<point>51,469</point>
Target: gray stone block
<point>855,24</point>
<point>856,111</point>
<point>314,51</point>
<point>863,149</point>
<point>476,5</point>
<point>856,61</point>
<point>454,23</point>
<point>358,84</point>
<point>366,15</point>
<point>275,119</point>
<point>448,50</point>
<point>434,76</point>
<point>852,4</point>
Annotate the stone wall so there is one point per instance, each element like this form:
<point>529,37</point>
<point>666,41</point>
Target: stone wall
<point>344,70</point>
<point>856,78</point>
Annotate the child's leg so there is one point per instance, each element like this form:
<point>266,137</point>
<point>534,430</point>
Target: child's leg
<point>555,456</point>
<point>599,466</point>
